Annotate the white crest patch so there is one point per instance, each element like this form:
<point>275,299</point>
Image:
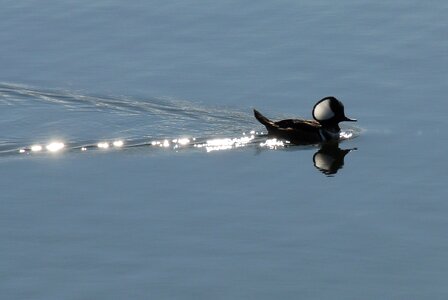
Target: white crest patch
<point>323,111</point>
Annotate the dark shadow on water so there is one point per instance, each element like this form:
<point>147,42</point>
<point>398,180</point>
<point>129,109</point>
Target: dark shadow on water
<point>329,159</point>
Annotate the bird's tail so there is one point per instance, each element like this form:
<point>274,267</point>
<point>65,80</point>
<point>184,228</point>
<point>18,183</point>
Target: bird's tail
<point>262,119</point>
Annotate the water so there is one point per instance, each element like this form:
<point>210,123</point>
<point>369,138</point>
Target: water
<point>196,203</point>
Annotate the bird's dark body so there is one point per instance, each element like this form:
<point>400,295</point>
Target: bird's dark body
<point>296,131</point>
<point>327,113</point>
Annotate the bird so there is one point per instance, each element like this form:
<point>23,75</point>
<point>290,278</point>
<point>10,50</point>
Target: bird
<point>327,114</point>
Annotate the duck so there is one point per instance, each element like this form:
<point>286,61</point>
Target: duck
<point>328,112</point>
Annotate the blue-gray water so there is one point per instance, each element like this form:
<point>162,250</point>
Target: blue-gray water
<point>194,204</point>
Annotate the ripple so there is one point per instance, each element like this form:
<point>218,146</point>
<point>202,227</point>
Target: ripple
<point>56,121</point>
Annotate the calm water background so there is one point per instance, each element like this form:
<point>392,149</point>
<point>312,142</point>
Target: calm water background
<point>146,223</point>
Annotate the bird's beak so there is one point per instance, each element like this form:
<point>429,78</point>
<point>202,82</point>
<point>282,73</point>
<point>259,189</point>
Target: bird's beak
<point>349,120</point>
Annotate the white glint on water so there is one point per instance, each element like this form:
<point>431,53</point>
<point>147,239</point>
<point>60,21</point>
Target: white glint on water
<point>103,145</point>
<point>345,135</point>
<point>225,143</point>
<point>273,144</point>
<point>247,139</point>
<point>36,148</point>
<point>118,143</point>
<point>183,141</point>
<point>55,146</point>
<point>162,144</point>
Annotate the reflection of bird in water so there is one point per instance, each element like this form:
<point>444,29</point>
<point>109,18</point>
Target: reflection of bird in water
<point>327,114</point>
<point>330,158</point>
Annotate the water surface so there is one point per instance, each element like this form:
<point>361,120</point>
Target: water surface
<point>236,219</point>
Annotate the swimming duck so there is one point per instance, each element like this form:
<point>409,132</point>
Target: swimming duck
<point>327,114</point>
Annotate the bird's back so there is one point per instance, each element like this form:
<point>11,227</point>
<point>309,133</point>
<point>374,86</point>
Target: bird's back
<point>297,131</point>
